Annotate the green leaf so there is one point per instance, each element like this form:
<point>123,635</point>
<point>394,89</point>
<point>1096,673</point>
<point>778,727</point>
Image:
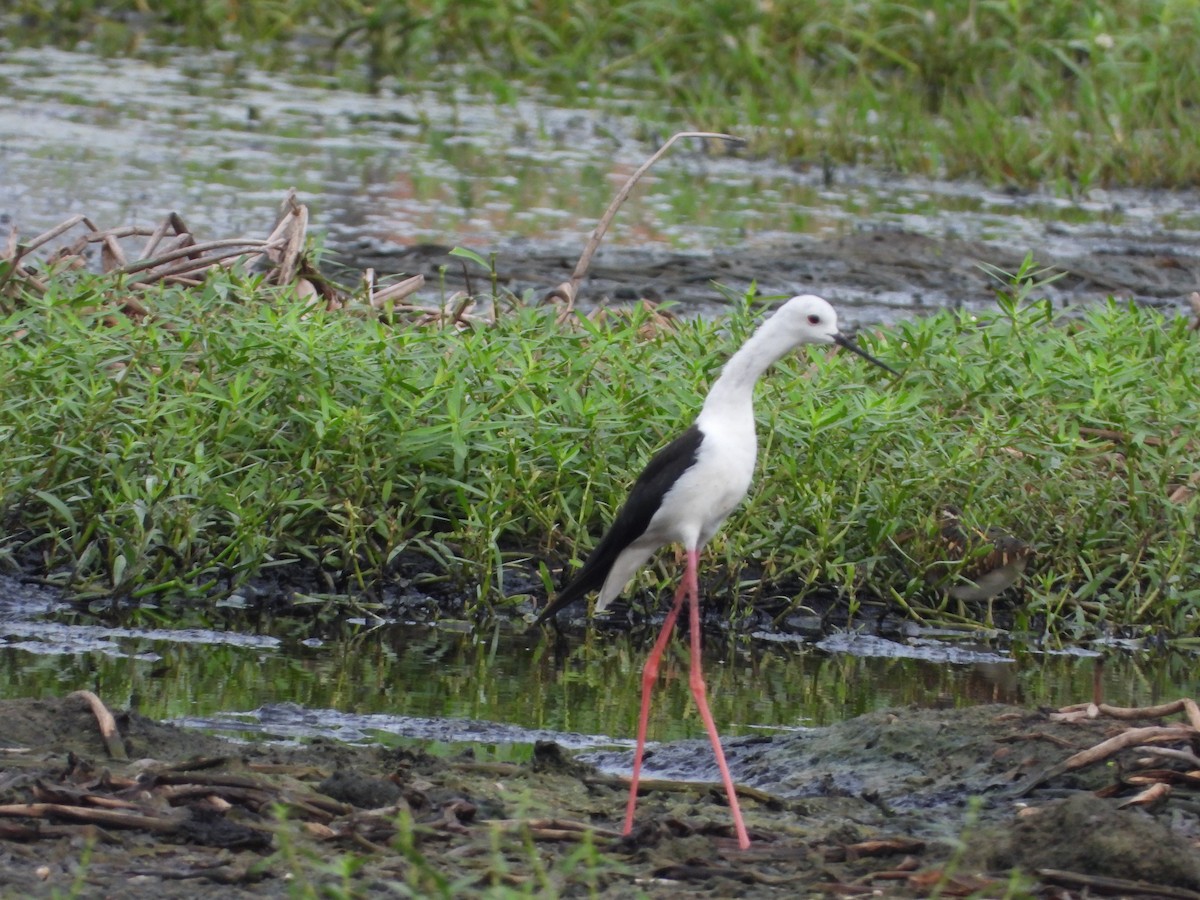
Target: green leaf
<point>464,253</point>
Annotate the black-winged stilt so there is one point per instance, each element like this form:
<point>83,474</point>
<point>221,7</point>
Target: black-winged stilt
<point>684,494</point>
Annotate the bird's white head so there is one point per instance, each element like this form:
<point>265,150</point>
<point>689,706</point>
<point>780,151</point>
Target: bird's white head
<point>809,319</point>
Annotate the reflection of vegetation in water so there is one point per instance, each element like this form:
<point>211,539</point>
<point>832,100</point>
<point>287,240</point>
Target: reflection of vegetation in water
<point>593,689</point>
<point>1051,91</point>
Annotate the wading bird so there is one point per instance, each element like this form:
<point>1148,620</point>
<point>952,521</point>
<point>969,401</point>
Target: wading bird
<point>995,559</point>
<point>684,494</point>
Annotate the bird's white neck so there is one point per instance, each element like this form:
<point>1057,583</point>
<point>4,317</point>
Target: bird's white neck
<point>734,389</point>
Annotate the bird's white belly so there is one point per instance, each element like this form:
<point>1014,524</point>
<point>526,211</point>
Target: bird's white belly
<point>708,492</point>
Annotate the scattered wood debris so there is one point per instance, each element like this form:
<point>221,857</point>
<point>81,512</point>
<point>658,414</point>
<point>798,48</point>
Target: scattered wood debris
<point>1166,751</point>
<point>232,817</point>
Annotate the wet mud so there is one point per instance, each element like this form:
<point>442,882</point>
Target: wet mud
<point>877,275</point>
<point>903,802</point>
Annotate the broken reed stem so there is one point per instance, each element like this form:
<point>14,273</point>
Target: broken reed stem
<point>568,290</point>
<point>90,814</point>
<point>1131,738</point>
<point>106,723</point>
<point>194,265</point>
<point>172,221</point>
<point>1184,705</point>
<point>1192,711</point>
<point>252,245</point>
<point>394,292</point>
<point>111,255</point>
<point>123,231</point>
<point>54,232</point>
<point>297,230</point>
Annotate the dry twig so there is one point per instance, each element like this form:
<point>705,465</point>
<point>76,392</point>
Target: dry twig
<point>1131,738</point>
<point>1184,705</point>
<point>106,722</point>
<point>568,291</point>
<point>96,816</point>
<point>1122,887</point>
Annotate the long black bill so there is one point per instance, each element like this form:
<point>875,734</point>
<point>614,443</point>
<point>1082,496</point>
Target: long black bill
<point>842,341</point>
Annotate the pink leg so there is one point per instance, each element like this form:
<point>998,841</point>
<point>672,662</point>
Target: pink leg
<point>649,676</point>
<point>698,692</point>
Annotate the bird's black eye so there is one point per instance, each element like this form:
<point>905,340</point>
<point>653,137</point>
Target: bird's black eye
<point>814,319</point>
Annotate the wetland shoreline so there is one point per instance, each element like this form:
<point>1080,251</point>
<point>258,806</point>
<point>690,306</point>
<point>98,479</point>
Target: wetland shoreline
<point>906,801</point>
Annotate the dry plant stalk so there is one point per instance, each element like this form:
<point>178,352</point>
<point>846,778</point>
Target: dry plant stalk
<point>182,257</point>
<point>393,293</point>
<point>1145,773</point>
<point>106,723</point>
<point>172,255</point>
<point>1185,705</point>
<point>568,291</point>
<point>90,814</point>
<point>1131,738</point>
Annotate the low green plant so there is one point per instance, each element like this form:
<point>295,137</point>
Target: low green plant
<point>235,432</point>
<point>78,886</point>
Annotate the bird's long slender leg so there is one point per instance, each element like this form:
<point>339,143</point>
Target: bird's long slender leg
<point>700,694</point>
<point>649,676</point>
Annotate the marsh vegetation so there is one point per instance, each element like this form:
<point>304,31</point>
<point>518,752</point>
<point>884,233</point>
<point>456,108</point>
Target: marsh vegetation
<point>1075,95</point>
<point>238,431</point>
<point>259,439</point>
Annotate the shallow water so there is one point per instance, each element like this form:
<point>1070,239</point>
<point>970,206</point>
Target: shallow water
<point>453,683</point>
<point>128,141</point>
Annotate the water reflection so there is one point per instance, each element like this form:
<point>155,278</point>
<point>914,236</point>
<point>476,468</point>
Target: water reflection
<point>586,684</point>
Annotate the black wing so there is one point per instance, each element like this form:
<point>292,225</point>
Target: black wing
<point>645,497</point>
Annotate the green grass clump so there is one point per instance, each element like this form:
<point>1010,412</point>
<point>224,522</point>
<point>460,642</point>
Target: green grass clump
<point>1072,433</point>
<point>1064,92</point>
<point>234,431</point>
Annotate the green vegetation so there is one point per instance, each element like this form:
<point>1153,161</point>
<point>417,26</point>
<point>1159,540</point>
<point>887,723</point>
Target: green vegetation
<point>1068,93</point>
<point>234,431</point>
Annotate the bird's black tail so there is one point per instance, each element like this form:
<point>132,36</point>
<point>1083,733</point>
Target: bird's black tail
<point>664,469</point>
<point>589,578</point>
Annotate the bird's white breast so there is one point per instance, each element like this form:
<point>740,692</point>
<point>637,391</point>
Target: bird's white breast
<point>704,496</point>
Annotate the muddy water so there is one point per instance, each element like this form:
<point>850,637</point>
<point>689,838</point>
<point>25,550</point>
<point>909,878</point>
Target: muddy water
<point>451,683</point>
<point>127,141</point>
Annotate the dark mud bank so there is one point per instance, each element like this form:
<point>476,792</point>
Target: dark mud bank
<point>876,275</point>
<point>901,802</point>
